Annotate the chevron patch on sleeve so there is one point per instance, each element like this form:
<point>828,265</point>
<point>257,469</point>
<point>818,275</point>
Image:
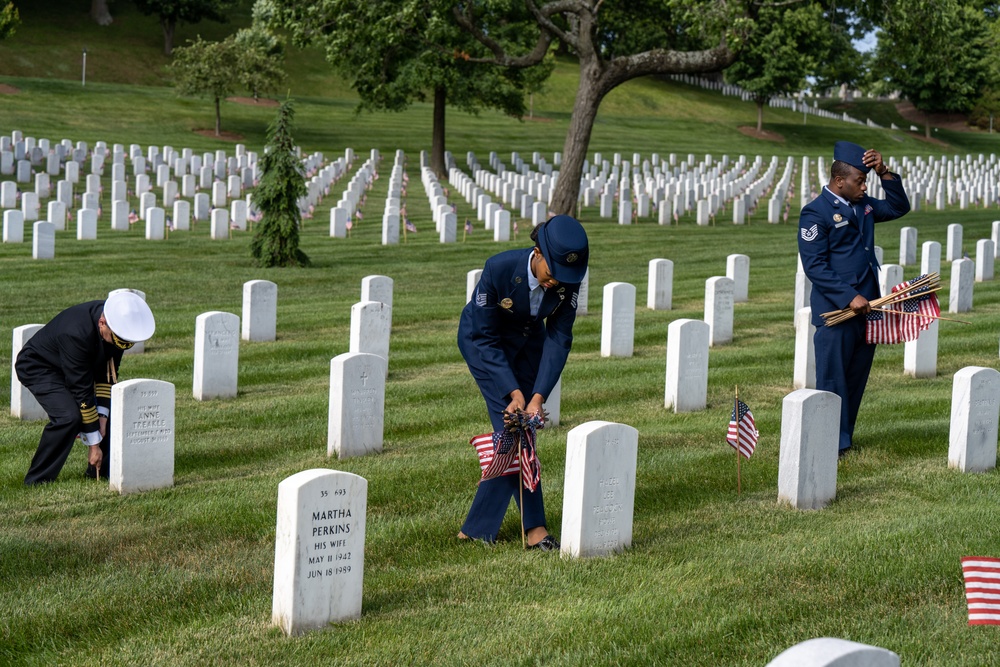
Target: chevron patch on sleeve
<point>573,299</point>
<point>480,299</point>
<point>810,234</point>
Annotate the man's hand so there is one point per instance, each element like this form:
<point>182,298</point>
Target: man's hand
<point>873,160</point>
<point>95,456</point>
<point>860,305</point>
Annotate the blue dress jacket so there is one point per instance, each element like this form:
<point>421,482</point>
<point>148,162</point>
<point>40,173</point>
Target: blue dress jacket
<point>837,245</point>
<point>498,336</point>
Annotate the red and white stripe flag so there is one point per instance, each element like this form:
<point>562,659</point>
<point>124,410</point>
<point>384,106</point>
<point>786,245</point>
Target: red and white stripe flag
<point>505,464</point>
<point>982,589</point>
<point>742,433</point>
<point>890,328</point>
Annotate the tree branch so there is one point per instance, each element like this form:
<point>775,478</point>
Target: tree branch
<point>663,61</point>
<point>500,57</point>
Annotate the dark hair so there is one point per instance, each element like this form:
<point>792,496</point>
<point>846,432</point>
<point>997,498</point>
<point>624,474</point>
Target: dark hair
<point>841,169</point>
<point>534,234</point>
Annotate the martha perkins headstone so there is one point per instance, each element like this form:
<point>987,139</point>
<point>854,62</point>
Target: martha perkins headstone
<point>319,550</point>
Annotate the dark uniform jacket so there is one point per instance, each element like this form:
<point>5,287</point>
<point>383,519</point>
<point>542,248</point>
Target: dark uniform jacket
<point>497,333</point>
<point>69,351</point>
<point>837,245</point>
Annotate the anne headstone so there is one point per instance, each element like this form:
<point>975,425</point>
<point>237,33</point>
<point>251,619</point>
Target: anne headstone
<point>142,436</point>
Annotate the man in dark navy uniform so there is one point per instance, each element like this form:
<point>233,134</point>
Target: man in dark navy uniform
<point>69,366</point>
<point>515,335</point>
<point>837,246</point>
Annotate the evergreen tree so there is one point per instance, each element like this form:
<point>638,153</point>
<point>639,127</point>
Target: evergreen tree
<point>282,184</point>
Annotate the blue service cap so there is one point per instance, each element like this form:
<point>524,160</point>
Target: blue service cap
<point>852,154</point>
<point>564,246</point>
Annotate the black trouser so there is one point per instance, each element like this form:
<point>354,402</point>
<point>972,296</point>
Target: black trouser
<point>59,434</point>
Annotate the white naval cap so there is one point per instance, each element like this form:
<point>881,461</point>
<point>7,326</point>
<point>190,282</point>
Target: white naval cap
<point>128,316</point>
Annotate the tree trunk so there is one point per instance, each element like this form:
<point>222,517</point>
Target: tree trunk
<point>760,114</point>
<point>99,12</point>
<point>588,99</point>
<point>218,117</point>
<point>927,129</point>
<point>437,138</point>
<point>169,26</point>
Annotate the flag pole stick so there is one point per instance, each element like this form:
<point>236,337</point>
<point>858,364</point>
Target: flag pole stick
<point>520,488</point>
<point>933,317</point>
<point>736,408</point>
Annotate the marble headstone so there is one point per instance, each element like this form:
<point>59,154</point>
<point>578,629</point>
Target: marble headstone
<point>371,322</point>
<point>975,407</point>
<point>810,437</point>
<point>216,355</point>
<point>618,320</point>
<point>833,652</point>
<point>357,404</point>
<point>661,284</point>
<point>260,310</point>
<point>43,240</point>
<point>142,436</point>
<point>719,293</point>
<point>687,365</point>
<point>22,402</point>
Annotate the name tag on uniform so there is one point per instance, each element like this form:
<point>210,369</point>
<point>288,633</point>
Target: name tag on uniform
<point>840,224</point>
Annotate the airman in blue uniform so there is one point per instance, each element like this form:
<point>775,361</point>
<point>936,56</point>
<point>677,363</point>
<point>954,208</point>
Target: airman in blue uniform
<point>837,247</point>
<point>515,335</point>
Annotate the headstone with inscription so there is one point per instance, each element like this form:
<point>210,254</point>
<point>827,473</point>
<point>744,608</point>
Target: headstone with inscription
<point>357,404</point>
<point>319,550</point>
<point>810,436</point>
<point>599,489</point>
<point>260,310</point>
<point>618,320</point>
<point>377,288</point>
<point>216,355</point>
<point>371,322</point>
<point>142,436</point>
<point>687,365</point>
<point>22,402</point>
<point>975,408</point>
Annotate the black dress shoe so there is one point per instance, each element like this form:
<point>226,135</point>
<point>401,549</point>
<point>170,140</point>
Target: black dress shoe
<point>547,543</point>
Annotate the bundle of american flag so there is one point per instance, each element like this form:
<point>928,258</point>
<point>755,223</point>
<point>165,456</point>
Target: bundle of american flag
<point>901,315</point>
<point>498,451</point>
<point>742,434</point>
<point>982,589</point>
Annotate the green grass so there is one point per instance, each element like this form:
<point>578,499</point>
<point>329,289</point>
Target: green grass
<point>184,576</point>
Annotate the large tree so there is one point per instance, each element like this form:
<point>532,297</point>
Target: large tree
<point>787,45</point>
<point>207,69</point>
<point>172,12</point>
<point>396,52</point>
<point>282,184</point>
<point>934,52</point>
<point>616,41</point>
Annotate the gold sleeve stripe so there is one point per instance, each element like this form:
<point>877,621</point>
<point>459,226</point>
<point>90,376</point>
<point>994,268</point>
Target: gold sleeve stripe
<point>103,390</point>
<point>89,415</point>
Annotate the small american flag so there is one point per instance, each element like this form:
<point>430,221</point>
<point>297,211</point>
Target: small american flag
<point>410,227</point>
<point>889,328</point>
<point>742,434</point>
<point>468,226</point>
<point>498,452</point>
<point>982,589</point>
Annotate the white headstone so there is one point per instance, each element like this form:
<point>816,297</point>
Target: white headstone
<point>319,550</point>
<point>719,310</point>
<point>687,365</point>
<point>804,376</point>
<point>43,240</point>
<point>182,215</point>
<point>920,355</point>
<point>22,402</point>
<point>357,404</point>
<point>201,206</point>
<point>810,436</point>
<point>907,246</point>
<point>738,270</point>
<point>13,226</point>
<point>954,242</point>
<point>984,260</point>
<point>889,275</point>
<point>618,320</point>
<point>260,310</point>
<point>803,290</point>
<point>390,229</point>
<point>501,226</point>
<point>220,224</point>
<point>216,355</point>
<point>449,228</point>
<point>599,491</point>
<point>833,652</point>
<point>371,322</point>
<point>86,224</point>
<point>471,280</point>
<point>377,288</point>
<point>142,436</point>
<point>962,281</point>
<point>552,406</point>
<point>155,224</point>
<point>975,408</point>
<point>930,257</point>
<point>660,289</point>
<point>581,296</point>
